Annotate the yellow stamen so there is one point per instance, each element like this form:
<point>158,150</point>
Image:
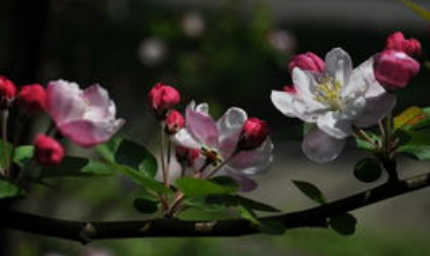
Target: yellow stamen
<point>328,93</point>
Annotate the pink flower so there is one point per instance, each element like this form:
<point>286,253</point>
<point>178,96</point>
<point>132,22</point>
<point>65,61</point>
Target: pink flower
<point>7,92</point>
<point>397,42</point>
<point>308,61</point>
<point>187,156</point>
<point>254,133</point>
<point>219,140</point>
<point>394,69</point>
<point>162,98</point>
<point>48,151</point>
<point>174,122</point>
<point>86,117</point>
<point>32,98</point>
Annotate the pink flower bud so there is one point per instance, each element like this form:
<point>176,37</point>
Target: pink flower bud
<point>32,98</point>
<point>48,151</point>
<point>174,122</point>
<point>161,98</point>
<point>397,42</point>
<point>290,89</point>
<point>7,92</point>
<point>308,61</point>
<point>254,133</point>
<point>187,156</point>
<point>394,69</point>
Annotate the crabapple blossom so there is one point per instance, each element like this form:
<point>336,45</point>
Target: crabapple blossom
<point>394,69</point>
<point>397,42</point>
<point>335,99</point>
<point>174,122</point>
<point>48,151</point>
<point>218,142</point>
<point>308,61</point>
<point>32,98</point>
<point>86,117</point>
<point>162,98</point>
<point>7,92</point>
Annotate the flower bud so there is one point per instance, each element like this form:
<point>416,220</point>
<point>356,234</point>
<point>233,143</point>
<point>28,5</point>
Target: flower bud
<point>161,98</point>
<point>187,156</point>
<point>394,69</point>
<point>174,122</point>
<point>48,151</point>
<point>308,61</point>
<point>7,92</point>
<point>397,42</point>
<point>32,98</point>
<point>254,133</point>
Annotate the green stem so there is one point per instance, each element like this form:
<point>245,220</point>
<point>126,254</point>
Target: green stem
<point>4,119</point>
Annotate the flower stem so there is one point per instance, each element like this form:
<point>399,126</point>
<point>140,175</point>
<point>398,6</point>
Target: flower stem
<point>216,169</point>
<point>4,119</point>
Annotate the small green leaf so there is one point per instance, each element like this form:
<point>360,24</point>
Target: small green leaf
<point>366,145</point>
<point>343,224</point>
<point>8,190</point>
<point>419,152</point>
<point>249,215</point>
<point>236,200</point>
<point>415,144</point>
<point>272,227</point>
<point>408,118</point>
<point>199,187</point>
<point>418,9</point>
<point>201,202</point>
<point>226,182</point>
<point>311,191</point>
<point>23,154</point>
<point>367,170</point>
<point>145,206</point>
<point>77,167</point>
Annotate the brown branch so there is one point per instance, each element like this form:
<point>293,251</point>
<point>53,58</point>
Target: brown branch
<point>85,232</point>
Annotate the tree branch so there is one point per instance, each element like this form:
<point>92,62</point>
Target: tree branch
<point>85,232</point>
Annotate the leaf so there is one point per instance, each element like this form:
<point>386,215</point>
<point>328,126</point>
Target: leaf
<point>199,187</point>
<point>201,202</point>
<point>409,118</point>
<point>415,144</point>
<point>310,191</point>
<point>72,166</point>
<point>145,206</point>
<point>419,152</point>
<point>418,9</point>
<point>343,224</point>
<point>272,227</point>
<point>367,170</point>
<point>8,190</point>
<point>249,215</point>
<point>4,159</point>
<point>23,154</point>
<point>365,145</point>
<point>236,200</point>
<point>226,182</point>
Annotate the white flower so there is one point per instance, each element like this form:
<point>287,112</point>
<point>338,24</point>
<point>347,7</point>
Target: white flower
<point>219,139</point>
<point>334,100</point>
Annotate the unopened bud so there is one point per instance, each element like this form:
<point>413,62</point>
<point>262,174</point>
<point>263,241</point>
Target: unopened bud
<point>161,98</point>
<point>187,156</point>
<point>308,61</point>
<point>32,98</point>
<point>254,133</point>
<point>174,122</point>
<point>7,92</point>
<point>48,151</point>
<point>397,42</point>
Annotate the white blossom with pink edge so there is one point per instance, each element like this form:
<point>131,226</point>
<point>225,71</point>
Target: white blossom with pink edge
<point>222,136</point>
<point>335,100</point>
<point>86,117</point>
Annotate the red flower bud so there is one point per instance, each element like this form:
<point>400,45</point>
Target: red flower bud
<point>397,42</point>
<point>48,151</point>
<point>290,89</point>
<point>254,133</point>
<point>187,156</point>
<point>161,98</point>
<point>7,92</point>
<point>32,98</point>
<point>394,69</point>
<point>174,122</point>
<point>308,61</point>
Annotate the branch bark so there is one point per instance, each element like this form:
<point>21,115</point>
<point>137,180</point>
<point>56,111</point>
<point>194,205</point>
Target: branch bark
<point>85,232</point>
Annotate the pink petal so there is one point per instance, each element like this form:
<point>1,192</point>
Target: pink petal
<point>202,127</point>
<point>320,147</point>
<point>246,184</point>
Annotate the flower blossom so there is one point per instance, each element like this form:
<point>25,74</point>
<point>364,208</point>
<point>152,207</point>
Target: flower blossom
<point>86,117</point>
<point>218,141</point>
<point>335,100</point>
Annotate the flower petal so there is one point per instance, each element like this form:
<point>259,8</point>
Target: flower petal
<point>376,109</point>
<point>321,147</point>
<point>230,126</point>
<point>334,126</point>
<point>185,139</point>
<point>202,127</point>
<point>338,65</point>
<point>245,184</point>
<point>284,102</point>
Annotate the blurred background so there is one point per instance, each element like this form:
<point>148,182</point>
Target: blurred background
<point>226,53</point>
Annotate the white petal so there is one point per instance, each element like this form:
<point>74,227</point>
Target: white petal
<point>185,139</point>
<point>320,147</point>
<point>230,126</point>
<point>284,102</point>
<point>304,82</point>
<point>202,127</point>
<point>335,127</point>
<point>202,108</point>
<point>376,109</point>
<point>338,65</point>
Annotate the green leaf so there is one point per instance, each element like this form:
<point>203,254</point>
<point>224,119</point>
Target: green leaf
<point>418,9</point>
<point>145,206</point>
<point>8,190</point>
<point>367,170</point>
<point>236,200</point>
<point>201,202</point>
<point>409,118</point>
<point>310,191</point>
<point>23,155</point>
<point>272,227</point>
<point>249,215</point>
<point>128,153</point>
<point>226,182</point>
<point>343,224</point>
<point>199,187</point>
<point>419,152</point>
<point>4,159</point>
<point>72,166</point>
<point>415,144</point>
<point>365,145</point>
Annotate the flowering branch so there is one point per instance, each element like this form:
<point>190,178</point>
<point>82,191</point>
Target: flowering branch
<point>86,232</point>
